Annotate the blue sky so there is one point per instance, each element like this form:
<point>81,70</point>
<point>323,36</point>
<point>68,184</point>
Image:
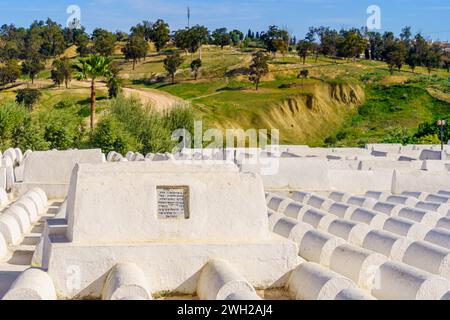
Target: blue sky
<point>431,17</point>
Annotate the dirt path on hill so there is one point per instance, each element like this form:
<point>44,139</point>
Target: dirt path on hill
<point>160,101</point>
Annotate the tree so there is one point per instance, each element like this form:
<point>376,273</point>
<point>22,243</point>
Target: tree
<point>375,45</point>
<point>28,97</point>
<point>32,67</point>
<point>57,77</point>
<point>160,34</point>
<point>273,34</point>
<point>328,41</point>
<point>433,58</point>
<point>259,67</point>
<point>303,73</point>
<point>62,70</point>
<point>406,34</point>
<point>191,39</point>
<point>195,67</point>
<point>413,58</point>
<point>302,49</point>
<point>446,61</point>
<point>135,49</point>
<point>53,42</point>
<point>143,29</point>
<point>10,72</point>
<point>221,37</point>
<point>352,44</point>
<point>121,36</point>
<point>114,82</point>
<point>93,67</point>
<point>12,42</point>
<point>394,54</point>
<point>281,46</point>
<point>104,42</point>
<point>171,64</point>
<point>81,40</point>
<point>236,37</point>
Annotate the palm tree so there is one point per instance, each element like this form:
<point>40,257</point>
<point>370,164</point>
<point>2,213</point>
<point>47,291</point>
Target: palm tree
<point>93,67</point>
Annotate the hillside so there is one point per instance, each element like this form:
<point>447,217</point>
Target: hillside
<point>342,103</point>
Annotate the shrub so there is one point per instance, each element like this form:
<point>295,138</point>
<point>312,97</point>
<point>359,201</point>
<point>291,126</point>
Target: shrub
<point>28,97</point>
<point>429,139</point>
<point>12,117</point>
<point>64,104</point>
<point>152,130</point>
<point>110,135</point>
<point>30,136</point>
<point>62,130</point>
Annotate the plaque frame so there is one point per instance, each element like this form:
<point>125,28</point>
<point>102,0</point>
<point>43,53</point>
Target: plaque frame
<point>186,199</point>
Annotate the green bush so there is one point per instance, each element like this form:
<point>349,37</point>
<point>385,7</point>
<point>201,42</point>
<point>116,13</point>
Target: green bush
<point>64,104</point>
<point>62,129</point>
<point>30,136</point>
<point>28,97</point>
<point>429,139</point>
<point>153,131</point>
<point>12,117</point>
<point>110,135</point>
<point>17,129</point>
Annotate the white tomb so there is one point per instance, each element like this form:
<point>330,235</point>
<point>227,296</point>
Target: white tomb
<point>51,170</point>
<point>170,220</point>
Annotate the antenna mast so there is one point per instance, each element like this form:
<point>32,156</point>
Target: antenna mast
<point>189,17</point>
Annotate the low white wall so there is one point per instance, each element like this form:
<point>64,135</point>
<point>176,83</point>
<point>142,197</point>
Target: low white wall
<point>425,181</point>
<point>291,173</point>
<point>358,182</point>
<point>55,167</point>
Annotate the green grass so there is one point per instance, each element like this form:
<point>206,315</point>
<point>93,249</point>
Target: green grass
<point>391,108</point>
<point>224,100</point>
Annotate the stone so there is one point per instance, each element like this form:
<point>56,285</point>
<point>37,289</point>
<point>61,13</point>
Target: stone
<point>311,282</point>
<point>32,284</point>
<point>126,280</point>
<point>109,217</point>
<point>220,281</point>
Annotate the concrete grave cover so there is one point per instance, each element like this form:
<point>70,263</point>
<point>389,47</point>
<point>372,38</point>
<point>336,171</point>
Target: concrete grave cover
<point>114,216</point>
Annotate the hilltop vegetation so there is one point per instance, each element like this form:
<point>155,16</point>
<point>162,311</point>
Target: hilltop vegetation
<point>333,88</point>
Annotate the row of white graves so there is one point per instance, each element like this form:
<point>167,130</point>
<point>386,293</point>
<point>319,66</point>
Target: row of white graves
<point>374,246</point>
<point>348,223</point>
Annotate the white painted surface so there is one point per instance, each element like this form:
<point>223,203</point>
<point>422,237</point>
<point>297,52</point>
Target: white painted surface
<point>387,243</point>
<point>309,281</point>
<point>126,280</point>
<point>358,264</point>
<point>318,246</point>
<point>220,281</point>
<point>398,281</point>
<point>350,231</point>
<point>429,257</point>
<point>104,207</point>
<point>32,284</point>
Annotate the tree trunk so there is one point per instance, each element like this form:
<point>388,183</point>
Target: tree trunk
<point>134,64</point>
<point>257,85</point>
<point>200,53</point>
<point>92,104</point>
<point>173,78</point>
